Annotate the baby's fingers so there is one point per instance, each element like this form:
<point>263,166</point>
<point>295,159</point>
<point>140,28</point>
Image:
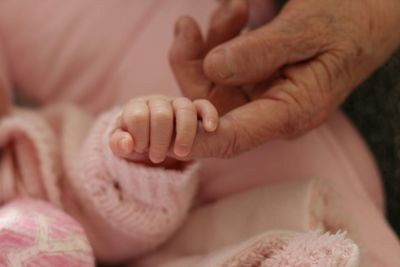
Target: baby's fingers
<point>208,113</point>
<point>161,128</point>
<point>186,126</point>
<point>136,120</point>
<point>121,143</point>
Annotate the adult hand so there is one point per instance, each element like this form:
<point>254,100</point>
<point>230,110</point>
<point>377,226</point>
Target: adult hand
<point>301,66</point>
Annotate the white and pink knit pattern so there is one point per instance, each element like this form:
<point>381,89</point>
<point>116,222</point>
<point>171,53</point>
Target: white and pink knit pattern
<point>34,233</point>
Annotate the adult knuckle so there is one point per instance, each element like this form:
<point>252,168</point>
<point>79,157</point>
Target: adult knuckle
<point>298,112</point>
<point>234,142</point>
<point>311,32</point>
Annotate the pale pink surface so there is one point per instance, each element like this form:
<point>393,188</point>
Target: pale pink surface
<point>133,60</point>
<point>244,230</point>
<point>33,233</point>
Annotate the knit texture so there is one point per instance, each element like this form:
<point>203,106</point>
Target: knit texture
<point>34,233</point>
<point>314,250</point>
<point>59,155</point>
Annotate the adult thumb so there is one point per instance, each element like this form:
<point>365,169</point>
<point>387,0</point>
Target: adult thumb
<point>240,130</point>
<point>255,56</point>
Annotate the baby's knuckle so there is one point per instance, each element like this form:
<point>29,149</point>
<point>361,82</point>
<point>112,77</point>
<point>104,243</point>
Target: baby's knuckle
<point>135,115</point>
<point>160,147</point>
<point>202,102</point>
<point>184,104</point>
<point>161,115</point>
<point>186,133</point>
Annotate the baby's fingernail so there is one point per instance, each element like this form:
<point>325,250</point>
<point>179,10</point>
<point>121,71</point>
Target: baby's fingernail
<point>126,146</point>
<point>181,150</point>
<point>211,125</point>
<point>156,159</point>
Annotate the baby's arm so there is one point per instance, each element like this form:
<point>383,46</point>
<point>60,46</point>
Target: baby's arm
<point>127,204</point>
<point>154,127</point>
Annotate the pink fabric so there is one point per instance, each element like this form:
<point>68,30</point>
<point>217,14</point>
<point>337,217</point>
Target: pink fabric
<point>48,154</point>
<point>213,231</point>
<point>33,233</point>
<point>278,249</point>
<point>50,70</point>
<point>334,151</point>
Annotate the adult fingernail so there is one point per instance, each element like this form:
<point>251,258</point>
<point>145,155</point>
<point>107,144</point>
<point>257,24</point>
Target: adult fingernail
<point>184,29</point>
<point>222,64</point>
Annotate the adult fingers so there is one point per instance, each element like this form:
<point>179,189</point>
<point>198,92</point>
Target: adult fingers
<point>188,49</point>
<point>186,57</point>
<point>261,12</point>
<point>290,107</point>
<point>227,22</point>
<point>256,55</point>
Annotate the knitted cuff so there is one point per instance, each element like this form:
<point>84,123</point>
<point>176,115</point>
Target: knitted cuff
<point>30,163</point>
<point>142,205</point>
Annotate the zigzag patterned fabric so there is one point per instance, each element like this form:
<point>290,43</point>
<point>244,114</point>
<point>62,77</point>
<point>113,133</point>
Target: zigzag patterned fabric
<point>34,233</point>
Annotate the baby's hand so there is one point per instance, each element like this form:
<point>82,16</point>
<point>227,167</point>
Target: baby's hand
<point>151,127</point>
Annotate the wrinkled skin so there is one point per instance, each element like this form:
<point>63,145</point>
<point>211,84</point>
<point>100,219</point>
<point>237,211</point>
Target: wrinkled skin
<point>301,67</point>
